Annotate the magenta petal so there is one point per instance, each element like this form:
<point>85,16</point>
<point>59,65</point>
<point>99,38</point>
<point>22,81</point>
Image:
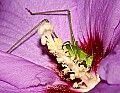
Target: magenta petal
<point>22,74</point>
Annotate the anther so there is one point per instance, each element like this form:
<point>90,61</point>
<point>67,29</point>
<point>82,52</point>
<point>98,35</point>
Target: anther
<point>46,27</point>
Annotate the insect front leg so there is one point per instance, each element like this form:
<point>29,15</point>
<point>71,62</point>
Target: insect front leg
<point>28,33</point>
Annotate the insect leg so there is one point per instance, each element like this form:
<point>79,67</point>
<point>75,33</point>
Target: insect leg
<point>13,46</point>
<point>56,11</point>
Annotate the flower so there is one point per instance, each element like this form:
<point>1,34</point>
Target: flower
<point>28,67</point>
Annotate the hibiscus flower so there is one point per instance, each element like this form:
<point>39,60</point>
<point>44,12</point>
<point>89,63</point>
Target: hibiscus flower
<point>28,68</point>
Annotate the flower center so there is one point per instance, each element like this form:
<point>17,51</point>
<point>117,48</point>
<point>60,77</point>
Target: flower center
<point>74,61</point>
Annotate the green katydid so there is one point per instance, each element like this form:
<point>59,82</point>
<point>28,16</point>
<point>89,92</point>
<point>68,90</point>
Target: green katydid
<point>77,52</point>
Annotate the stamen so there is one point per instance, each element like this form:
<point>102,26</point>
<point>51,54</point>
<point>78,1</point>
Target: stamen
<point>75,85</point>
<point>59,59</point>
<point>44,28</point>
<point>71,59</point>
<point>72,76</point>
<point>66,70</point>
